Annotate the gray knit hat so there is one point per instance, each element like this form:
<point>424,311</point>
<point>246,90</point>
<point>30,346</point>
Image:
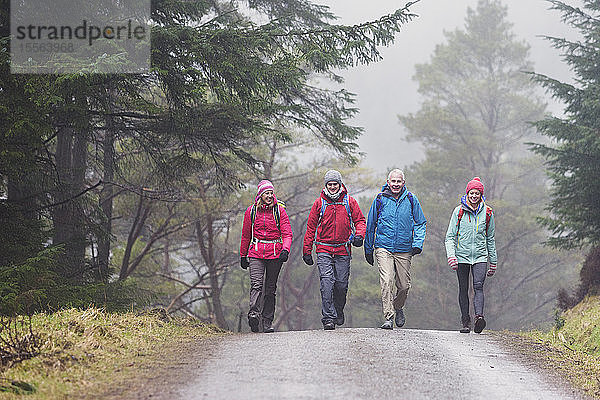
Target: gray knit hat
<point>333,175</point>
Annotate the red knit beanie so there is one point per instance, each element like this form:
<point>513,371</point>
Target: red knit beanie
<point>475,183</point>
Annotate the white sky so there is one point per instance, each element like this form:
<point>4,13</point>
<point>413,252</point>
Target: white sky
<point>385,89</point>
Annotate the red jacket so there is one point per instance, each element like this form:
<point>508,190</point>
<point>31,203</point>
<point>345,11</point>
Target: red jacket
<point>334,226</point>
<point>265,228</point>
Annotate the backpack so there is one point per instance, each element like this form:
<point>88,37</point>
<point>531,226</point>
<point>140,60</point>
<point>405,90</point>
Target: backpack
<point>346,204</point>
<point>379,205</point>
<point>488,216</point>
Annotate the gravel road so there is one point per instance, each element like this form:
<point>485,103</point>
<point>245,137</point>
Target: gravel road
<point>367,363</point>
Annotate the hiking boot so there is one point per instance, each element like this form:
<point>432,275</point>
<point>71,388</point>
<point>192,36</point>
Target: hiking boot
<point>400,319</point>
<point>388,324</point>
<point>340,319</point>
<point>479,324</point>
<point>329,326</point>
<point>466,325</point>
<point>253,322</point>
<point>267,328</point>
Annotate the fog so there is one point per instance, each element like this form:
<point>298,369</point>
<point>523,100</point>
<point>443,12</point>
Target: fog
<point>385,89</point>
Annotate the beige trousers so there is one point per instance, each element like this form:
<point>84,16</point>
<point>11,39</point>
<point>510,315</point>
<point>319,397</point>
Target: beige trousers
<point>394,278</point>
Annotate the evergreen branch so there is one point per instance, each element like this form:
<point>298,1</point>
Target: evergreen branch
<point>387,19</point>
<point>48,206</point>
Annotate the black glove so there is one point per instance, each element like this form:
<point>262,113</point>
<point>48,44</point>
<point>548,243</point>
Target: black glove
<point>283,256</point>
<point>357,241</point>
<point>369,258</point>
<point>244,263</point>
<point>415,251</point>
<point>308,259</point>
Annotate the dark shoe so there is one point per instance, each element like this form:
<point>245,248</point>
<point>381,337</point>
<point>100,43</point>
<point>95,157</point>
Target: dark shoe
<point>466,323</point>
<point>267,328</point>
<point>340,319</point>
<point>329,326</point>
<point>253,322</point>
<point>400,319</point>
<point>388,324</point>
<point>479,324</point>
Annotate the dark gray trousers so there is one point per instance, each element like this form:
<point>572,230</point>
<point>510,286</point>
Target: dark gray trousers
<point>464,270</point>
<point>263,285</point>
<point>334,272</point>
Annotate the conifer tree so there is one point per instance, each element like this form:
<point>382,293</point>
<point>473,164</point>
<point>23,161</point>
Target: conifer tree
<point>573,156</point>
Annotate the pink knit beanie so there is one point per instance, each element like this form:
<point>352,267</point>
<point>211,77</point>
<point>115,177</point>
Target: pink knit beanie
<point>263,186</point>
<point>475,183</point>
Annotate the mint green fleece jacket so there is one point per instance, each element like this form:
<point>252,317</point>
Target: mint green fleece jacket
<point>471,244</point>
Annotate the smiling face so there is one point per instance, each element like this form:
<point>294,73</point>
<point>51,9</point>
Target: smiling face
<point>474,197</point>
<point>333,187</point>
<point>267,197</point>
<point>395,182</point>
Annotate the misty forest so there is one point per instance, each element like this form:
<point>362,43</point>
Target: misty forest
<point>127,191</point>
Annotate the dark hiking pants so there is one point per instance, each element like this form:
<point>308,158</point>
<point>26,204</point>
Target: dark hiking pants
<point>478,271</point>
<point>334,272</point>
<point>263,285</point>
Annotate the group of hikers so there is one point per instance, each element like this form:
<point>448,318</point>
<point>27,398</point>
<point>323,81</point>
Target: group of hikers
<point>392,234</point>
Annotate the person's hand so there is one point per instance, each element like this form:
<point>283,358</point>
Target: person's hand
<point>415,250</point>
<point>369,258</point>
<point>453,263</point>
<point>357,241</point>
<point>491,270</point>
<point>283,256</point>
<point>244,263</point>
<point>308,260</point>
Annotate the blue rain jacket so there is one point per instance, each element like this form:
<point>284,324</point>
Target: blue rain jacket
<point>399,227</point>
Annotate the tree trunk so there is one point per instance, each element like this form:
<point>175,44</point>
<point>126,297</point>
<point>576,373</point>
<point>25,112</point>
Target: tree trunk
<point>79,240</point>
<point>63,213</point>
<point>106,200</point>
<point>207,251</point>
<point>135,231</point>
<point>69,217</point>
<point>166,265</point>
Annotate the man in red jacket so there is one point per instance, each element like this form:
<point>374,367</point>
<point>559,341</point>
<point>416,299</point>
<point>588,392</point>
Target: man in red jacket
<point>338,222</point>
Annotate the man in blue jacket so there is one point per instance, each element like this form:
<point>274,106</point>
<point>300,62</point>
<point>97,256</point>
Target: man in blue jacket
<point>396,230</point>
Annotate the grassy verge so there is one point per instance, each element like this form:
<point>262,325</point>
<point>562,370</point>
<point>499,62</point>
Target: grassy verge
<point>89,353</point>
<point>572,347</point>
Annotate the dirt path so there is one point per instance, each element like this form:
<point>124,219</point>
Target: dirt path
<point>357,363</point>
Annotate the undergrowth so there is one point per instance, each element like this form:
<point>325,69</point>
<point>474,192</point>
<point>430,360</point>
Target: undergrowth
<point>573,345</point>
<point>82,352</point>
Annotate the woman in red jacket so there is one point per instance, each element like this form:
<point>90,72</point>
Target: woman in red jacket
<point>337,222</point>
<point>265,246</point>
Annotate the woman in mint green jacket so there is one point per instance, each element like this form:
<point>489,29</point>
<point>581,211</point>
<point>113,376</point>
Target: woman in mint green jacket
<point>470,245</point>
